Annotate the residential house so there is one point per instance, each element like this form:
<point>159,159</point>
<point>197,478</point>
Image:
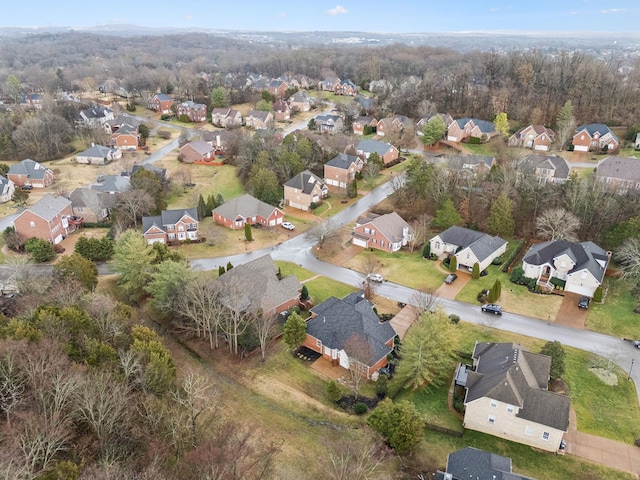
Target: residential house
<point>420,124</point>
<point>171,226</point>
<point>329,123</point>
<point>468,246</point>
<point>345,87</point>
<point>303,190</point>
<point>396,124</point>
<point>620,174</point>
<point>474,464</point>
<point>463,128</point>
<point>580,266</point>
<point>98,155</point>
<point>196,112</point>
<point>247,209</point>
<point>366,104</point>
<point>50,218</point>
<point>546,168</point>
<point>30,172</point>
<point>226,117</point>
<point>92,205</point>
<point>277,88</point>
<point>197,151</point>
<point>507,396</point>
<point>122,120</point>
<point>380,86</point>
<point>218,140</point>
<point>281,110</point>
<point>160,173</point>
<point>341,170</point>
<point>95,116</point>
<point>595,137</point>
<point>112,184</point>
<point>335,321</point>
<point>126,137</point>
<point>161,103</point>
<point>468,164</point>
<point>535,137</point>
<point>32,100</point>
<point>256,286</point>
<point>388,232</point>
<point>259,120</point>
<point>387,152</point>
<point>360,123</point>
<point>328,85</point>
<point>301,101</point>
<point>7,187</point>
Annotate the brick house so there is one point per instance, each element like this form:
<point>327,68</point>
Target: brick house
<point>463,128</point>
<point>171,226</point>
<point>92,205</point>
<point>281,110</point>
<point>197,151</point>
<point>259,120</point>
<point>303,190</point>
<point>113,184</point>
<point>546,168</point>
<point>277,88</point>
<point>388,232</point>
<point>420,124</point>
<point>161,103</point>
<point>30,172</point>
<point>345,87</point>
<point>48,219</point>
<point>7,187</point>
<point>535,137</point>
<point>335,321</point>
<point>396,124</point>
<point>467,165</point>
<point>99,155</point>
<point>95,116</point>
<point>218,140</point>
<point>361,122</point>
<point>507,396</point>
<point>126,137</point>
<point>387,152</point>
<point>196,112</point>
<point>468,246</point>
<point>301,101</point>
<point>595,137</point>
<point>620,174</point>
<point>226,118</point>
<point>341,170</point>
<point>235,213</point>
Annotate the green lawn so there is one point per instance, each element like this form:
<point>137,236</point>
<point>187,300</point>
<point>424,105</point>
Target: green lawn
<point>481,149</point>
<point>288,268</point>
<point>209,180</point>
<point>322,288</point>
<point>615,315</point>
<point>629,152</point>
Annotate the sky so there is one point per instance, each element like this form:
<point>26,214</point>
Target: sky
<point>392,16</point>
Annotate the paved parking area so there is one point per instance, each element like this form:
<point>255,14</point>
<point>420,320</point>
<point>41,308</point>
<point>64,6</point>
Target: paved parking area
<point>569,314</point>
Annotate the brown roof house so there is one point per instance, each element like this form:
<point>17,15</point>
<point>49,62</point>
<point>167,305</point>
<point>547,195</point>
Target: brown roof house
<point>50,218</point>
<point>258,120</point>
<point>341,170</point>
<point>335,321</point>
<point>387,152</point>
<point>281,110</point>
<point>98,155</point>
<point>218,140</point>
<point>171,226</point>
<point>619,173</point>
<point>595,137</point>
<point>226,117</point>
<point>463,128</point>
<point>161,103</point>
<point>196,112</point>
<point>361,123</point>
<point>92,205</point>
<point>247,209</point>
<point>388,232</point>
<point>303,190</point>
<point>30,172</point>
<point>507,396</point>
<point>397,123</point>
<point>546,168</point>
<point>535,137</point>
<point>468,246</point>
<point>197,151</point>
<point>468,165</point>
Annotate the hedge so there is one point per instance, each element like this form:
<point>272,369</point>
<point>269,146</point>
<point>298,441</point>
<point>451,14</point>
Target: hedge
<point>512,256</point>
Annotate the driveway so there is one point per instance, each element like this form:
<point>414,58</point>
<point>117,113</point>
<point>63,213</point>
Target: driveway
<point>569,314</point>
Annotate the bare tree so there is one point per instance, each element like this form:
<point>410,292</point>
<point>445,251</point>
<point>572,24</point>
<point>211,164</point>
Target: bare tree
<point>40,441</point>
<point>265,325</point>
<point>558,224</point>
<point>12,384</point>
<point>236,318</point>
<point>359,351</point>
<point>420,228</point>
<point>628,255</point>
<point>133,203</point>
<point>350,461</point>
<point>371,266</point>
<point>322,231</point>
<point>425,300</point>
<point>201,307</point>
<point>195,397</point>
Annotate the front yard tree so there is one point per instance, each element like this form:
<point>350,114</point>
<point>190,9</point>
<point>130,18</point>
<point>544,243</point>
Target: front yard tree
<point>475,274</point>
<point>453,264</point>
<point>311,125</point>
<point>265,327</point>
<point>558,224</point>
<point>321,232</point>
<point>359,351</point>
<point>434,130</point>
<point>167,284</point>
<point>264,106</point>
<point>628,255</point>
<point>131,204</point>
<point>295,330</point>
<point>76,267</point>
<point>40,250</point>
<point>399,423</point>
<point>447,215</point>
<point>20,197</point>
<point>12,239</point>
<point>501,122</point>
<point>500,221</point>
<point>148,182</point>
<point>219,97</point>
<point>427,350</point>
<point>556,351</point>
<point>248,235</point>
<point>94,249</point>
<point>133,261</point>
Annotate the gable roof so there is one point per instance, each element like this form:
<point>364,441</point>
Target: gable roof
<point>96,151</point>
<point>537,129</point>
<point>49,206</point>
<point>337,320</point>
<point>246,206</point>
<point>391,225</point>
<point>193,105</point>
<point>559,165</point>
<point>305,181</point>
<point>484,125</point>
<point>343,161</point>
<point>328,118</point>
<point>585,255</point>
<point>259,115</point>
<point>481,244</point>
<point>370,146</point>
<point>593,128</point>
<point>509,374</point>
<point>199,146</point>
<point>472,463</point>
<point>168,217</point>
<point>96,112</point>
<point>460,162</point>
<point>31,168</point>
<point>619,167</point>
<point>5,185</point>
<point>113,183</point>
<point>161,173</point>
<point>301,96</point>
<point>92,199</point>
<point>162,97</point>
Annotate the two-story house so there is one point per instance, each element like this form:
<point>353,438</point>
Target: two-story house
<point>281,110</point>
<point>259,120</point>
<point>329,123</point>
<point>171,226</point>
<point>361,123</point>
<point>303,190</point>
<point>161,103</point>
<point>535,137</point>
<point>30,172</point>
<point>396,123</point>
<point>7,187</point>
<point>98,155</point>
<point>226,117</point>
<point>595,137</point>
<point>95,116</point>
<point>301,101</point>
<point>389,232</point>
<point>468,246</point>
<point>619,174</point>
<point>464,128</point>
<point>219,140</point>
<point>127,137</point>
<point>196,112</point>
<point>387,152</point>
<point>345,87</point>
<point>237,212</point>
<point>341,170</point>
<point>50,218</point>
<point>92,205</point>
<point>546,168</point>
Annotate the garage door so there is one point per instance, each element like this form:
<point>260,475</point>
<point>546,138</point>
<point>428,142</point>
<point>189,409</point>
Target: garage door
<point>587,291</point>
<point>299,206</point>
<point>57,240</point>
<point>359,242</point>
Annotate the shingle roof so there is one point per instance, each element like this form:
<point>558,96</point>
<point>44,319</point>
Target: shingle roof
<point>92,199</point>
<point>559,165</point>
<point>199,146</point>
<point>473,464</point>
<point>28,167</point>
<point>593,128</point>
<point>96,151</point>
<point>459,162</point>
<point>585,255</point>
<point>391,225</point>
<point>509,374</point>
<point>163,97</point>
<point>481,244</point>
<point>4,185</point>
<point>305,181</point>
<point>343,161</point>
<point>259,114</point>
<point>339,319</point>
<point>619,167</point>
<point>113,183</point>
<point>370,146</point>
<point>168,217</point>
<point>246,206</point>
<point>49,206</point>
<point>483,125</point>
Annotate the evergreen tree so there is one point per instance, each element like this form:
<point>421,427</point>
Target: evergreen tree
<point>556,352</point>
<point>219,200</point>
<point>447,215</point>
<point>475,274</point>
<point>453,264</point>
<point>295,330</point>
<point>304,293</point>
<point>500,221</point>
<point>202,208</point>
<point>248,235</point>
<point>426,251</point>
<point>229,266</point>
<point>434,130</point>
<point>221,270</point>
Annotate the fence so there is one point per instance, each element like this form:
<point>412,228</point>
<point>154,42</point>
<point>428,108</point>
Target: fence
<point>446,431</point>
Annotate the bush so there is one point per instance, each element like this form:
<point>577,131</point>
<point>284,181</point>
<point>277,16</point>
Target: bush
<point>360,408</point>
<point>382,386</point>
<point>313,205</point>
<point>598,294</point>
<point>453,265</point>
<point>164,134</point>
<point>497,261</point>
<point>165,116</point>
<point>474,140</point>
<point>304,293</point>
<point>40,250</point>
<point>184,118</point>
<point>453,318</point>
<point>426,251</point>
<point>446,262</point>
<point>513,255</point>
<point>334,390</point>
<point>558,283</point>
<point>475,274</point>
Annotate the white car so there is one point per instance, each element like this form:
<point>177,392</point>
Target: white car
<point>375,277</point>
<point>288,226</point>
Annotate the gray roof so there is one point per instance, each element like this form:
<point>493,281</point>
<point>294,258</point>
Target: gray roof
<point>266,291</point>
<point>328,118</point>
<point>585,255</point>
<point>509,374</point>
<point>481,244</point>
<point>31,168</point>
<point>593,128</point>
<point>113,183</point>
<point>370,145</point>
<point>459,162</point>
<point>259,114</point>
<point>619,167</point>
<point>305,181</point>
<point>484,125</point>
<point>199,146</point>
<point>391,225</point>
<point>91,199</point>
<point>168,217</point>
<point>337,320</point>
<point>246,206</point>
<point>301,96</point>
<point>472,463</point>
<point>343,161</point>
<point>161,173</point>
<point>4,185</point>
<point>96,151</point>
<point>163,97</point>
<point>192,104</point>
<point>559,165</point>
<point>49,206</point>
<point>96,112</point>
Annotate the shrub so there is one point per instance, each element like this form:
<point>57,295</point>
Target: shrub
<point>453,318</point>
<point>304,293</point>
<point>475,274</point>
<point>558,283</point>
<point>426,251</point>
<point>360,408</point>
<point>446,262</point>
<point>382,386</point>
<point>313,205</point>
<point>164,134</point>
<point>40,250</point>
<point>497,261</point>
<point>165,116</point>
<point>482,296</point>
<point>512,256</point>
<point>517,275</point>
<point>474,140</point>
<point>453,265</point>
<point>184,118</point>
<point>334,390</point>
<point>597,295</point>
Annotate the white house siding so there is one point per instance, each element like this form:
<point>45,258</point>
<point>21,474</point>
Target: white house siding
<point>438,247</point>
<point>582,283</point>
<point>532,271</point>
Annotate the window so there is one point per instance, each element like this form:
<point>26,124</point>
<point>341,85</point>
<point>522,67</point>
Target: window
<point>318,343</point>
<point>33,224</point>
<point>510,408</point>
<point>492,419</point>
<point>545,436</point>
<point>493,404</point>
<point>437,245</point>
<point>528,430</point>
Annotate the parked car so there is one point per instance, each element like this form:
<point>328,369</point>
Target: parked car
<point>583,303</point>
<point>375,277</point>
<point>636,343</point>
<point>492,308</point>
<point>27,187</point>
<point>450,278</point>
<point>288,226</point>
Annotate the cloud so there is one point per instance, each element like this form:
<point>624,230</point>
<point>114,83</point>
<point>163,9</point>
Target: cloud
<point>338,10</point>
<point>187,16</point>
<point>613,10</point>
<point>494,9</point>
<point>281,15</point>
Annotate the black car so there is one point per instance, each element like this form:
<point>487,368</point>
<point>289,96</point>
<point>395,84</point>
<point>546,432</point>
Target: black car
<point>450,278</point>
<point>27,187</point>
<point>583,303</point>
<point>492,308</point>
